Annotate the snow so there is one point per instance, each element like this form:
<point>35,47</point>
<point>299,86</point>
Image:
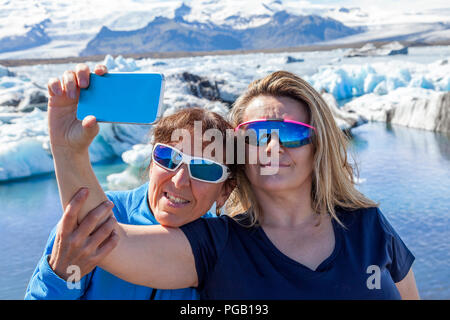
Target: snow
<point>74,23</point>
<point>410,90</point>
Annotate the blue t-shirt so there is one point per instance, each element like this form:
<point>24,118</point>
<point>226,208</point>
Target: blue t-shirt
<point>237,262</point>
<point>130,207</point>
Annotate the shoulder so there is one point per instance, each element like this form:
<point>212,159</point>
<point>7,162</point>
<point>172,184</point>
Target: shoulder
<point>366,219</point>
<point>125,202</point>
<point>128,197</point>
<point>220,223</point>
<point>361,214</point>
<point>211,230</point>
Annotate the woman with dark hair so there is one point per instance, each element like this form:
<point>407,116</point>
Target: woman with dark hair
<point>170,197</point>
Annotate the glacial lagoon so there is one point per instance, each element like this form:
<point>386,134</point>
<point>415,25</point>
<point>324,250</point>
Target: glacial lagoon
<point>406,170</point>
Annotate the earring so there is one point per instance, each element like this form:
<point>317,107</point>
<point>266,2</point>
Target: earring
<point>218,211</point>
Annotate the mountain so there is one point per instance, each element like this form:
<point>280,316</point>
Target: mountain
<point>34,36</point>
<point>55,29</point>
<point>163,34</point>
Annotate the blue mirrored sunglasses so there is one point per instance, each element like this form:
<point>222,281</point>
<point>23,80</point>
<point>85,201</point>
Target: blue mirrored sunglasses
<point>200,169</point>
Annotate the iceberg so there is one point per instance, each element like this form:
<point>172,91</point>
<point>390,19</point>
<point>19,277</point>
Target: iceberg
<point>344,119</point>
<point>369,50</point>
<point>411,107</point>
<point>24,145</point>
<point>348,81</point>
<point>401,92</point>
<point>120,64</point>
<point>20,92</point>
<point>138,158</point>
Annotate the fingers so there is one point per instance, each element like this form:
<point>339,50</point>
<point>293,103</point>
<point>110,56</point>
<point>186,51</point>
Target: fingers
<point>54,87</point>
<point>107,246</point>
<point>89,122</point>
<point>100,69</point>
<point>70,84</point>
<point>72,80</point>
<point>90,127</point>
<point>82,75</point>
<point>69,220</point>
<point>101,234</point>
<point>90,222</point>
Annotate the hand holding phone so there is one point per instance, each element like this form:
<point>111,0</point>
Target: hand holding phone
<point>74,134</point>
<point>66,132</point>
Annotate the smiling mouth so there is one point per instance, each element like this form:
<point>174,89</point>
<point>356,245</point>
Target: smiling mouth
<point>280,165</point>
<point>175,200</point>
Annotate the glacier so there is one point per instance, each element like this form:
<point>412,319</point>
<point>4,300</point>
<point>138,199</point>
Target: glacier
<point>412,91</point>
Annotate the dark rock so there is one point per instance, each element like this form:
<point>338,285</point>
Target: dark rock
<point>201,87</point>
<point>290,59</point>
<point>398,51</point>
<point>33,99</point>
<point>159,63</point>
<point>12,100</point>
<point>37,97</point>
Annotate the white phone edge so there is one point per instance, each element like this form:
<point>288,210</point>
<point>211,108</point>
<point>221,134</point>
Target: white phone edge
<point>161,98</point>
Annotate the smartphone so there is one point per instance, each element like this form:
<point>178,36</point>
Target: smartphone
<point>134,98</point>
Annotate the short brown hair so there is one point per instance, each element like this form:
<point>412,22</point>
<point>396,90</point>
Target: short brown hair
<point>185,119</point>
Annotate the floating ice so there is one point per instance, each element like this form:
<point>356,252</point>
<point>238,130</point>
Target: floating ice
<point>138,158</point>
<point>23,144</point>
<point>4,71</point>
<point>120,64</point>
<point>412,107</point>
<point>389,90</point>
<point>25,151</point>
<point>347,81</point>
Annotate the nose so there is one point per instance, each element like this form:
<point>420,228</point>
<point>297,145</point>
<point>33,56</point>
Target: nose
<point>274,144</point>
<point>181,177</point>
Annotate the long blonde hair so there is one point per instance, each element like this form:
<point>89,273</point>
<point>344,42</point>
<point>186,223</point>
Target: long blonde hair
<point>333,183</point>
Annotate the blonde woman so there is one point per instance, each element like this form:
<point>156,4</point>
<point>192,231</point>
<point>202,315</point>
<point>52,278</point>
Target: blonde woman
<point>304,232</point>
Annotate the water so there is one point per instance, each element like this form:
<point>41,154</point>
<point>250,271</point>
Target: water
<point>29,209</point>
<point>406,170</point>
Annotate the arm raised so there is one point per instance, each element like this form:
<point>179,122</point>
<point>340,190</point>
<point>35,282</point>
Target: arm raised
<point>70,138</point>
<point>148,255</point>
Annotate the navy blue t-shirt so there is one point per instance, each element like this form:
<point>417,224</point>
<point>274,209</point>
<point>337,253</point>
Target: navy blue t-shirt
<point>237,262</point>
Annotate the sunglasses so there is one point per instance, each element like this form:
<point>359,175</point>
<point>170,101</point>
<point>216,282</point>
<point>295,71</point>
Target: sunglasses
<point>291,134</point>
<point>201,169</point>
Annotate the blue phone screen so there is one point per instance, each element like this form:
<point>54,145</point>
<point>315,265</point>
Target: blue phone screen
<point>122,97</point>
